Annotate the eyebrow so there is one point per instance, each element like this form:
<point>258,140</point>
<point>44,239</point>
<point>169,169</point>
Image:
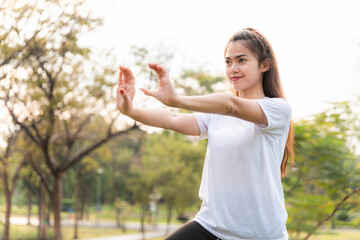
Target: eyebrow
<point>238,56</point>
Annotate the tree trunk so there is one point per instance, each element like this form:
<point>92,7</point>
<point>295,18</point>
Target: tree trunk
<point>6,233</point>
<point>82,208</point>
<point>142,219</point>
<point>118,211</point>
<point>87,203</point>
<point>43,226</point>
<point>167,230</point>
<point>29,205</point>
<point>39,213</point>
<point>77,200</point>
<point>56,205</point>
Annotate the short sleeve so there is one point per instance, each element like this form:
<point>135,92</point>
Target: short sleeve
<point>278,113</point>
<point>203,120</point>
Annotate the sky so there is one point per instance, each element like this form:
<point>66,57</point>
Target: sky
<point>317,43</point>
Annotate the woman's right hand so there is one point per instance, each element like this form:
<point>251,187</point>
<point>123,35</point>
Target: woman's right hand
<point>126,91</point>
<point>166,91</point>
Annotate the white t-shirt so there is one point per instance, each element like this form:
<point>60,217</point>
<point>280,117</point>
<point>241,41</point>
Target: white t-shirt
<point>241,182</point>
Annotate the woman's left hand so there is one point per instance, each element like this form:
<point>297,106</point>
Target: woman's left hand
<point>126,91</point>
<point>166,92</point>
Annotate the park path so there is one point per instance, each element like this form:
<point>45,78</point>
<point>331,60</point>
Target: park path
<point>133,236</point>
<point>149,234</point>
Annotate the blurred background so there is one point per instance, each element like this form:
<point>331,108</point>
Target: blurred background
<point>71,166</point>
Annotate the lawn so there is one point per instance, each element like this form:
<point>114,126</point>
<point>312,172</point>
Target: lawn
<point>335,235</point>
<point>338,235</point>
<point>19,232</point>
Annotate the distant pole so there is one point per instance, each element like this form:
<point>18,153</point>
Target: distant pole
<point>100,171</point>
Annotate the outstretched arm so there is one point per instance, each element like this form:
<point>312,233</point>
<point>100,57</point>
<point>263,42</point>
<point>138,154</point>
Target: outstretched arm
<point>182,123</point>
<point>163,118</point>
<point>225,104</point>
<point>219,103</point>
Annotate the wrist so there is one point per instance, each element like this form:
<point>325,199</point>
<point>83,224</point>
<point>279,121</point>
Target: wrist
<point>177,102</point>
<point>131,113</point>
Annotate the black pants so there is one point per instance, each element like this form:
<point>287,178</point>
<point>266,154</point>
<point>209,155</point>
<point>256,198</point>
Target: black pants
<point>191,231</point>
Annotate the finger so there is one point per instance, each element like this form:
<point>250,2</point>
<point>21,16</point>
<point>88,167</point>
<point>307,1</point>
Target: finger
<point>131,77</point>
<point>125,99</point>
<point>147,92</point>
<point>121,76</point>
<point>159,69</point>
<point>120,91</point>
<point>124,71</point>
<point>124,95</point>
<point>119,97</point>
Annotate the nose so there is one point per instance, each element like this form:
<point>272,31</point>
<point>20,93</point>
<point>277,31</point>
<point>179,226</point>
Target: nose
<point>234,68</point>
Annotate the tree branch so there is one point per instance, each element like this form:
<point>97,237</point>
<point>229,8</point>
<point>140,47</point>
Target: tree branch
<point>33,125</point>
<point>87,151</point>
<point>17,51</point>
<point>2,4</point>
<point>39,173</point>
<point>112,123</point>
<point>49,160</point>
<point>337,207</point>
<point>10,142</point>
<point>17,172</point>
<point>22,125</point>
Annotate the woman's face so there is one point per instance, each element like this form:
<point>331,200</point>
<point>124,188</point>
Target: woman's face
<point>243,69</point>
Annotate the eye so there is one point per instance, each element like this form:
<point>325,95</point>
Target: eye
<point>227,62</point>
<point>242,60</point>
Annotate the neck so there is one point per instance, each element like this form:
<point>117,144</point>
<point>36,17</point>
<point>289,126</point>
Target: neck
<point>251,94</point>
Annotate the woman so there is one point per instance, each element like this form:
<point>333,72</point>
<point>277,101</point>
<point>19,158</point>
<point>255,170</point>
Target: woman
<point>250,141</point>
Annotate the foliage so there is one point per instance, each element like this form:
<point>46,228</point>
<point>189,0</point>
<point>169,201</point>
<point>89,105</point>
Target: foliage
<point>171,164</point>
<point>327,168</point>
<point>57,90</point>
<point>198,82</point>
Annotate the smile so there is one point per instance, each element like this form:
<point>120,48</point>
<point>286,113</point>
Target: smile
<point>236,78</point>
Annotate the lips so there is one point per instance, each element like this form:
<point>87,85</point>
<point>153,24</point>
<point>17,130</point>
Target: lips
<point>235,78</point>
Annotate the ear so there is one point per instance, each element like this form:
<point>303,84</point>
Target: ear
<point>265,65</point>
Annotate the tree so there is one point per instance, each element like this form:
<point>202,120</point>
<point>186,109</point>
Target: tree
<point>59,93</point>
<point>86,167</point>
<point>171,165</point>
<point>122,154</point>
<point>11,162</point>
<point>32,186</point>
<point>327,169</point>
<point>15,16</point>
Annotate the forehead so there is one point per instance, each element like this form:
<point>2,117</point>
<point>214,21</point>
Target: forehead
<point>236,48</point>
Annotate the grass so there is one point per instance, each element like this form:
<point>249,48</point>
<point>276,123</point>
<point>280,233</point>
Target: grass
<point>107,213</point>
<point>338,235</point>
<point>334,235</point>
<point>30,232</point>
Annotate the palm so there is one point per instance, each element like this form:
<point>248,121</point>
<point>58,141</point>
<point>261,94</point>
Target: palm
<point>129,89</point>
<point>127,85</point>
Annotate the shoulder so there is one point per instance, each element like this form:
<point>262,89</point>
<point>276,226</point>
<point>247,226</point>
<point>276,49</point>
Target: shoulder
<point>275,104</point>
<point>276,101</point>
<point>278,113</point>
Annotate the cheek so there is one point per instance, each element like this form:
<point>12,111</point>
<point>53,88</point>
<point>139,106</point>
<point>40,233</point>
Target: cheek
<point>227,72</point>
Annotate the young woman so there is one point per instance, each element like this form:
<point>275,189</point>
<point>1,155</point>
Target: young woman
<point>249,141</point>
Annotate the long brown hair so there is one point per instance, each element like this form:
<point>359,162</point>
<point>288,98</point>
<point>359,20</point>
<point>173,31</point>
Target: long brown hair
<point>271,83</point>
